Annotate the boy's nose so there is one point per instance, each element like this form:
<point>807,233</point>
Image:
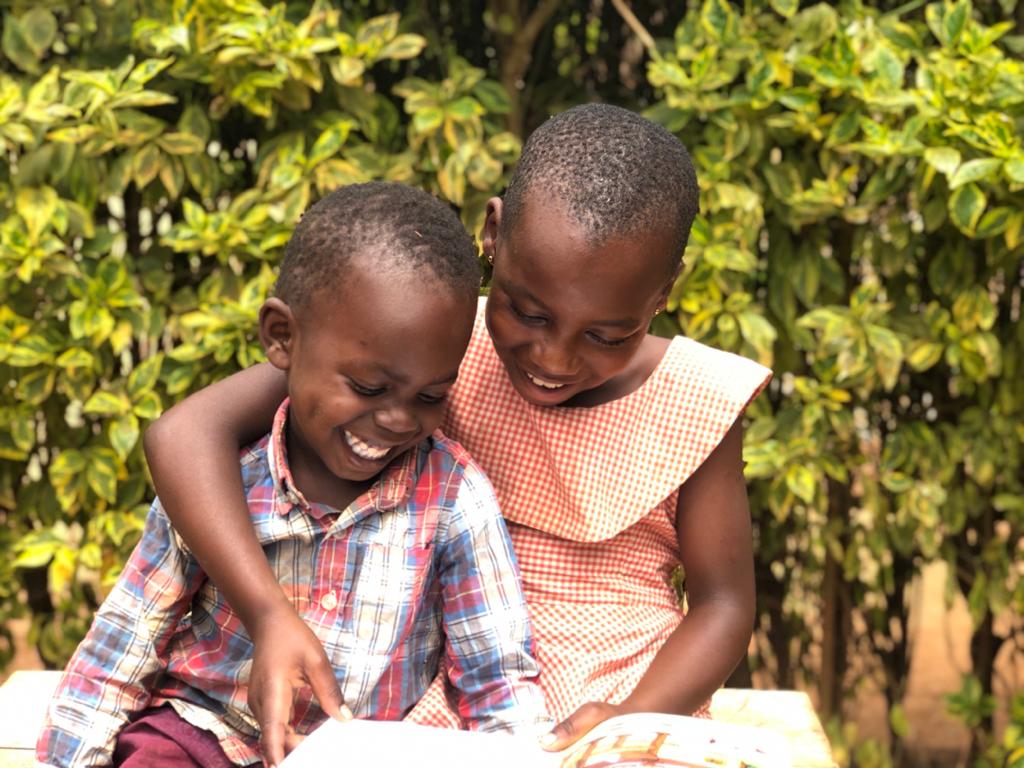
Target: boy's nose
<point>400,422</point>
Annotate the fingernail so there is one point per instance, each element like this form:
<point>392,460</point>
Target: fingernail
<point>548,739</point>
<point>346,713</point>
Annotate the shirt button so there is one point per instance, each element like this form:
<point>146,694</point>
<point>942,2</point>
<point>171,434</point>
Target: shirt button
<point>329,601</point>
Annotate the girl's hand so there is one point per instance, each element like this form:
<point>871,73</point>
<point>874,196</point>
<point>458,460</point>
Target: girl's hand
<point>287,658</point>
<point>578,724</point>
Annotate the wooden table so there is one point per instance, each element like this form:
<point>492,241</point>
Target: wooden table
<point>23,700</point>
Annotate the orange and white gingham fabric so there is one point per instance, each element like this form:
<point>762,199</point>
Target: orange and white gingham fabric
<point>589,495</point>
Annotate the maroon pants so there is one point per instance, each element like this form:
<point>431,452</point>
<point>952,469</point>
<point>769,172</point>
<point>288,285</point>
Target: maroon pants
<point>159,737</point>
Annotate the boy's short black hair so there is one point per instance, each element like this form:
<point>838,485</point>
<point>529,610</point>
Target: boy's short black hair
<point>617,173</point>
<point>402,228</point>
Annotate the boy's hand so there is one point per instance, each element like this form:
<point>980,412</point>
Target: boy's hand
<point>287,658</point>
<point>578,724</point>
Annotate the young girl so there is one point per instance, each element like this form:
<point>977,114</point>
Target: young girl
<point>615,454</point>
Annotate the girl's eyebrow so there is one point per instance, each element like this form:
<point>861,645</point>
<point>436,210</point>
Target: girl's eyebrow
<point>516,287</point>
<point>623,322</point>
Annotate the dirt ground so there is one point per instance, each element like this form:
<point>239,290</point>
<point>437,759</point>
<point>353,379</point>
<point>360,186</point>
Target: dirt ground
<point>940,657</point>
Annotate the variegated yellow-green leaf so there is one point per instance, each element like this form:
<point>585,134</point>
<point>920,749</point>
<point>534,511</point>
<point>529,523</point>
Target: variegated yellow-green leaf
<point>35,386</point>
<point>37,207</point>
<point>103,403</point>
<point>123,433</point>
<point>101,473</point>
<point>975,170</point>
<point>966,206</point>
<point>403,47</point>
<point>801,483</point>
<point>144,376</point>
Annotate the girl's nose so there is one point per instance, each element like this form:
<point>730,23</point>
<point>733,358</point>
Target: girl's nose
<point>556,359</point>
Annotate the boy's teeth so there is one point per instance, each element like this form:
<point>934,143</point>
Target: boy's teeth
<point>542,383</point>
<point>363,449</point>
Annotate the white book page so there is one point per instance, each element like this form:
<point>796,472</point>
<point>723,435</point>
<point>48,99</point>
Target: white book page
<point>381,744</point>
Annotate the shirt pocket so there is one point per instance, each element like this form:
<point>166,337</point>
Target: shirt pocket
<point>387,594</point>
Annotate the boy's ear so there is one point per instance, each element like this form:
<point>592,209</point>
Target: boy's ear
<point>491,226</point>
<point>277,332</point>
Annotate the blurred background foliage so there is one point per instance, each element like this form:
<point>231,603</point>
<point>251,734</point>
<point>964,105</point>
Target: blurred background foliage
<point>862,232</point>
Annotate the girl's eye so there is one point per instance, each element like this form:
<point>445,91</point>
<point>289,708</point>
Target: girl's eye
<point>608,342</point>
<point>365,391</point>
<point>529,319</point>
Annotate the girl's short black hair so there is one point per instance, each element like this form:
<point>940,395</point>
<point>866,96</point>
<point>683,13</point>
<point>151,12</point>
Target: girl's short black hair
<point>403,229</point>
<point>617,173</point>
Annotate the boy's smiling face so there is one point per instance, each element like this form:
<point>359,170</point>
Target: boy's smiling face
<point>369,365</point>
<point>569,319</point>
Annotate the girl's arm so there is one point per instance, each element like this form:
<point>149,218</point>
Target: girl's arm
<point>716,545</point>
<point>192,452</point>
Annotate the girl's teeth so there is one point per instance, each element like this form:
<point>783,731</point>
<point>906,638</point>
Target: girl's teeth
<point>363,449</point>
<point>542,383</point>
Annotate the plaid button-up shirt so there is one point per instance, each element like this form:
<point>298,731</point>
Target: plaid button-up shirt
<point>417,568</point>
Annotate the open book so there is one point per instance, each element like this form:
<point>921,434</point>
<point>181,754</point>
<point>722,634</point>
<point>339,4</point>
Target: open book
<point>627,741</point>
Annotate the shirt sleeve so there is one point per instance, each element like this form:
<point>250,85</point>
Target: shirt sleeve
<point>112,672</point>
<point>488,647</point>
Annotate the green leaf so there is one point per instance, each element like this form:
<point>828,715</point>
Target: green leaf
<point>179,143</point>
<point>123,434</point>
<point>801,483</point>
<point>426,121</point>
<point>76,357</point>
<point>37,206</point>
<point>943,159</point>
<point>35,386</point>
<point>954,21</point>
<point>347,70</point>
<point>924,354</point>
<point>148,406</point>
<point>101,473</point>
<point>379,29</point>
<point>39,28</point>
<point>103,403</point>
<point>145,376</point>
<point>30,351</point>
<point>898,721</point>
<point>785,8</point>
<point>966,205</point>
<point>1014,169</point>
<point>145,165</point>
<point>15,46</point>
<point>329,143</point>
<point>718,19</point>
<point>493,97</point>
<point>66,468</point>
<point>975,170</point>
<point>403,47</point>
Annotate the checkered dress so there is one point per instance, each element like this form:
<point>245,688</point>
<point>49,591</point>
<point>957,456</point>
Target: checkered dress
<point>590,497</point>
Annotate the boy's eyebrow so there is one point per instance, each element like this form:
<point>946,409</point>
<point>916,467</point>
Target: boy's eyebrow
<point>397,377</point>
<point>623,322</point>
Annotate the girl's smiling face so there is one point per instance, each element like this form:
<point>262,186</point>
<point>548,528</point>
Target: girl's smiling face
<point>569,319</point>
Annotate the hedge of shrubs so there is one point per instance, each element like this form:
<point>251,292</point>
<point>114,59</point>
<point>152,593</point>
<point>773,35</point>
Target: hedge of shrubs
<point>862,232</point>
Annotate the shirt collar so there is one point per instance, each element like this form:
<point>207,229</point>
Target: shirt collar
<point>393,486</point>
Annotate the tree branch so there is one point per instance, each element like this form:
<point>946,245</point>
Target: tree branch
<point>638,29</point>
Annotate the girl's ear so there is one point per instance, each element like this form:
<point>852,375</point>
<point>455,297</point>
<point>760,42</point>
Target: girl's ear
<point>277,332</point>
<point>491,226</point>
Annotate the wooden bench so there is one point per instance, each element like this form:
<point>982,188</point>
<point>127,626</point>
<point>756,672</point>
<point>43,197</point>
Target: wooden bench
<point>24,697</point>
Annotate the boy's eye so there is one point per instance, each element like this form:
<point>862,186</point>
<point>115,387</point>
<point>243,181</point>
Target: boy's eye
<point>530,319</point>
<point>608,342</point>
<point>433,399</point>
<point>364,389</point>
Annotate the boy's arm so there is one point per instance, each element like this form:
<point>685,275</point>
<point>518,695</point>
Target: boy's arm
<point>112,673</point>
<point>192,452</point>
<point>715,541</point>
<point>488,650</point>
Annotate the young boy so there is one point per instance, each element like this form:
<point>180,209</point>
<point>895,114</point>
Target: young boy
<point>382,533</point>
